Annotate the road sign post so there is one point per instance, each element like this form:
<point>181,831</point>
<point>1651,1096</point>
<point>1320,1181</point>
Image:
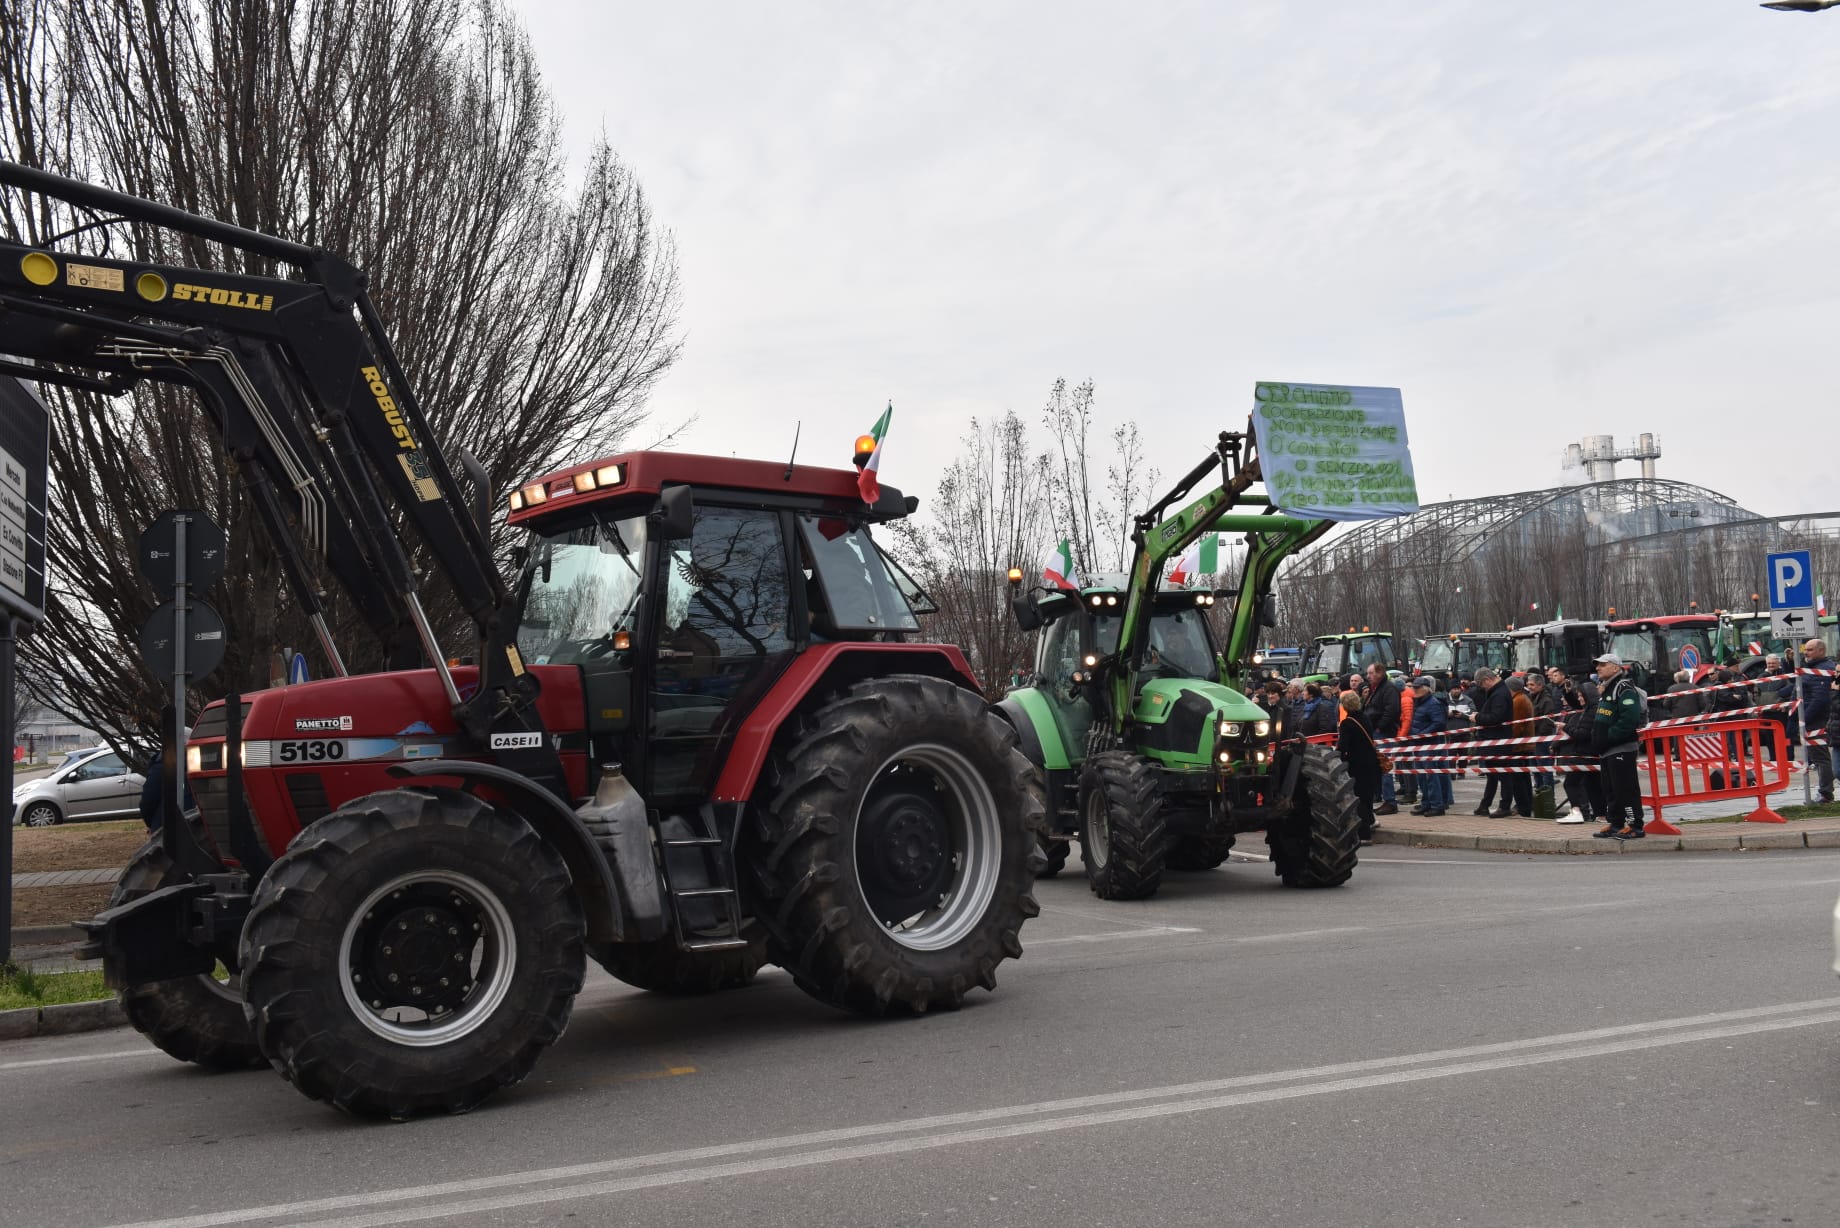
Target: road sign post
<point>182,640</point>
<point>1789,575</point>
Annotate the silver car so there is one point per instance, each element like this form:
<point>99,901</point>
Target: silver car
<point>98,786</point>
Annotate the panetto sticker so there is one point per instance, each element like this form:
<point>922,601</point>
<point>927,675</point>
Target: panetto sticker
<point>326,724</point>
<point>516,741</point>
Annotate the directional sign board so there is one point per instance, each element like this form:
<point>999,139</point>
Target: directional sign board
<point>25,433</point>
<point>1790,578</point>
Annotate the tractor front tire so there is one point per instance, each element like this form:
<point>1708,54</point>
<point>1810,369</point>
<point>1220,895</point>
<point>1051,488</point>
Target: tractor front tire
<point>664,967</point>
<point>193,1018</point>
<point>1123,839</point>
<point>1317,845</point>
<point>1204,852</point>
<point>413,951</point>
<point>895,844</point>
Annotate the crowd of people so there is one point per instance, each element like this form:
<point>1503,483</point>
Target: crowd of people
<point>1600,715</point>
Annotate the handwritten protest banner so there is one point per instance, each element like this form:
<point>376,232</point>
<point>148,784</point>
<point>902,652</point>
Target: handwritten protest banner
<point>1333,452</point>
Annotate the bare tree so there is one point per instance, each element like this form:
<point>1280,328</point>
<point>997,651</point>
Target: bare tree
<point>413,136</point>
<point>990,514</point>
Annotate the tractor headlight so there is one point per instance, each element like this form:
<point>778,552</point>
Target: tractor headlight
<point>1229,729</point>
<point>1261,729</point>
<point>194,760</point>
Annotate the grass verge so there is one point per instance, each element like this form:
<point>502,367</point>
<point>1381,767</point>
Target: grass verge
<point>21,987</point>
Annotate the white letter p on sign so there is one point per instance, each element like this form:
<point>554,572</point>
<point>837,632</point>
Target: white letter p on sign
<point>1788,576</point>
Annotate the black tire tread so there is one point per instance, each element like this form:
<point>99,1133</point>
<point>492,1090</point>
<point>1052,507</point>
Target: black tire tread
<point>1319,845</point>
<point>283,958</point>
<point>187,1018</point>
<point>1199,852</point>
<point>822,934</point>
<point>1139,844</point>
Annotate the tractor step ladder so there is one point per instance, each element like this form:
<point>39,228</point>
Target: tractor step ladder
<point>714,851</point>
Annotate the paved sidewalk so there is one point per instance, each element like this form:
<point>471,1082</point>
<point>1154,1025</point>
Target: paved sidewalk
<point>1460,829</point>
<point>64,878</point>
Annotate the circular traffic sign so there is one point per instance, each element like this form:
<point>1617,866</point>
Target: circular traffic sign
<point>204,550</point>
<point>204,640</point>
<point>1689,657</point>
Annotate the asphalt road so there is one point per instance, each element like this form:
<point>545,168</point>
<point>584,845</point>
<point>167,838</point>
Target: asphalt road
<point>1453,1038</point>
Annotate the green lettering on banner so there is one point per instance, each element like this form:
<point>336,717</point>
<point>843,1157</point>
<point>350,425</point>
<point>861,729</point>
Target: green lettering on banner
<point>1334,451</point>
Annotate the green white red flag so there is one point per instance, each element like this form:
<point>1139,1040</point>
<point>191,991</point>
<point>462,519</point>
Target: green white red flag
<point>1057,568</point>
<point>867,483</point>
<point>1200,559</point>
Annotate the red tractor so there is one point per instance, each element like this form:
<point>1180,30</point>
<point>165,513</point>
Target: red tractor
<point>701,733</point>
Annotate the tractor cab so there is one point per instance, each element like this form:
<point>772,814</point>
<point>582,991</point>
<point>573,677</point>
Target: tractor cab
<point>1570,644</point>
<point>1456,657</point>
<point>1657,648</point>
<point>1337,656</point>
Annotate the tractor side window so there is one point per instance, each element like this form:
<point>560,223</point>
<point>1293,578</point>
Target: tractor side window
<point>859,595</point>
<point>723,637</point>
<point>1060,649</point>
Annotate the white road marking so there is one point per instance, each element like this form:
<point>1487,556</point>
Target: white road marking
<point>85,1057</point>
<point>1174,1099</point>
<point>1158,931</point>
<point>1340,929</point>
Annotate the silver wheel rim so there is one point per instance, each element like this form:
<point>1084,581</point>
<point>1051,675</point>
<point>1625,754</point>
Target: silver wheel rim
<point>493,961</point>
<point>1098,833</point>
<point>41,816</point>
<point>976,836</point>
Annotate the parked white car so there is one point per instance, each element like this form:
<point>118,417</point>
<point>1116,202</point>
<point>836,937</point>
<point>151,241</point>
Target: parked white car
<point>98,786</point>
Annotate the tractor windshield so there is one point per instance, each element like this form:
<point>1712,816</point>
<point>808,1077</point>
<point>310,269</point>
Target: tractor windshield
<point>1330,657</point>
<point>1179,643</point>
<point>581,585</point>
<point>1179,646</point>
<point>1438,654</point>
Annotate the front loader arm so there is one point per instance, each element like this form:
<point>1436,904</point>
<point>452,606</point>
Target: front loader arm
<point>306,387</point>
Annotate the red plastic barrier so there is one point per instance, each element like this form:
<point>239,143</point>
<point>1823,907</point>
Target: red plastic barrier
<point>1733,749</point>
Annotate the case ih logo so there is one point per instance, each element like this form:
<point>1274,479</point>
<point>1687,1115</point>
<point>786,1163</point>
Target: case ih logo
<point>322,724</point>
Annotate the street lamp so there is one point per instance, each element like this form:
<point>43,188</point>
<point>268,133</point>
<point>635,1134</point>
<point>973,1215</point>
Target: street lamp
<point>1690,513</point>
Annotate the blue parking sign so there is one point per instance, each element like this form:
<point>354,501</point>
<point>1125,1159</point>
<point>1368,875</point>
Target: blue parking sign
<point>1790,577</point>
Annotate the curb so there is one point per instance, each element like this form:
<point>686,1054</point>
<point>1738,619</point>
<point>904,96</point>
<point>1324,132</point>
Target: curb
<point>1692,842</point>
<point>62,1019</point>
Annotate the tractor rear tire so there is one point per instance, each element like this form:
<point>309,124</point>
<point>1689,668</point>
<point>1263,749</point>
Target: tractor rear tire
<point>412,902</point>
<point>664,967</point>
<point>1205,852</point>
<point>895,844</point>
<point>193,1018</point>
<point>1123,839</point>
<point>1054,854</point>
<point>1319,843</point>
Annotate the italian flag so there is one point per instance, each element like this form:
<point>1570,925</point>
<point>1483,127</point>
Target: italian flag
<point>867,483</point>
<point>1200,559</point>
<point>1820,604</point>
<point>1057,568</point>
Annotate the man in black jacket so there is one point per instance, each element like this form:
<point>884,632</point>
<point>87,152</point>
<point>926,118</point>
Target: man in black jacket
<point>1380,712</point>
<point>1615,722</point>
<point>1818,712</point>
<point>1494,709</point>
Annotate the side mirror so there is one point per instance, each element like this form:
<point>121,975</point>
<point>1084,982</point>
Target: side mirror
<point>1268,614</point>
<point>520,555</point>
<point>675,516</point>
<point>1028,612</point>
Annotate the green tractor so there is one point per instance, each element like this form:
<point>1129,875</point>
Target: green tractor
<point>1152,755</point>
<point>1337,656</point>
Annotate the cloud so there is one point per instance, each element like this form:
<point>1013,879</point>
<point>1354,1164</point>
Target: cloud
<point>1539,222</point>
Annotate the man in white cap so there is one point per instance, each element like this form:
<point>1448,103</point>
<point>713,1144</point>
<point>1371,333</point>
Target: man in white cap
<point>1621,711</point>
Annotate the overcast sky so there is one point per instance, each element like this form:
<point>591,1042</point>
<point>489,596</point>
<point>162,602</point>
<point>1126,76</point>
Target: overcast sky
<point>1540,221</point>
